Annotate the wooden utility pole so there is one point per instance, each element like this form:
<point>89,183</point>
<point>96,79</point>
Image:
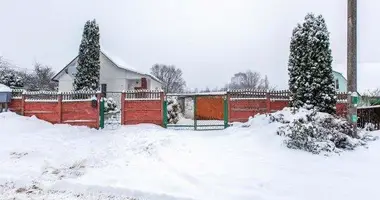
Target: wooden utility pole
<point>352,60</point>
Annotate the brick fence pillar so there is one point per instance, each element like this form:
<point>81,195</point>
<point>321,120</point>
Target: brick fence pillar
<point>122,109</point>
<point>268,109</point>
<point>162,98</point>
<point>229,106</point>
<point>59,107</point>
<point>23,104</point>
<point>98,97</point>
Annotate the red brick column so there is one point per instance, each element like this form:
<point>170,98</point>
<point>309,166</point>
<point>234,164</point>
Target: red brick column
<point>23,104</point>
<point>268,102</point>
<point>122,109</point>
<point>59,108</point>
<point>98,97</point>
<point>162,98</point>
<point>229,107</point>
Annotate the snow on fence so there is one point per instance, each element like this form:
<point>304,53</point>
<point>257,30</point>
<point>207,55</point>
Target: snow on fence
<point>146,106</point>
<point>246,103</point>
<point>45,96</point>
<point>78,96</point>
<point>143,95</point>
<point>247,94</point>
<point>281,95</point>
<point>73,108</point>
<point>17,93</point>
<point>341,97</point>
<point>142,106</point>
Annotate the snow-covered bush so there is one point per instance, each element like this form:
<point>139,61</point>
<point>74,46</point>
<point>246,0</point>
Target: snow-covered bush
<point>12,80</point>
<point>318,132</point>
<point>174,111</point>
<point>109,105</point>
<point>188,110</point>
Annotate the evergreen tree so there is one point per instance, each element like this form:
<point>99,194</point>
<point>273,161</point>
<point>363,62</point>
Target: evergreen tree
<point>87,76</point>
<point>311,81</point>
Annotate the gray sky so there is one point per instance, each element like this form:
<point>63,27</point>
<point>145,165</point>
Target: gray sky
<point>209,40</point>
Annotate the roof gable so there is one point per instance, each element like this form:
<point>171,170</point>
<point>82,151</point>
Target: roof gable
<point>120,64</point>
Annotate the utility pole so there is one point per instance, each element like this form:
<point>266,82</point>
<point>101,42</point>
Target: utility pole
<point>352,62</point>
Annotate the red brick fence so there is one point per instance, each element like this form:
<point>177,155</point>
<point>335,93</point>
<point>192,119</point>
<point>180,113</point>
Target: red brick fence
<point>246,103</point>
<point>75,108</point>
<point>144,106</point>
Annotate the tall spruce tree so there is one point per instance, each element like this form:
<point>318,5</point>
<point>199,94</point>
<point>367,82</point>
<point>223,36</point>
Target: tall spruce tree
<point>311,81</point>
<point>87,76</point>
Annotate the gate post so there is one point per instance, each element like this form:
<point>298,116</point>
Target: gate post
<point>225,111</point>
<point>101,123</point>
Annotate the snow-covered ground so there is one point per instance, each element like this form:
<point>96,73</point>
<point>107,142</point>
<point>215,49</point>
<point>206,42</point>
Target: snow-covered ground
<point>43,161</point>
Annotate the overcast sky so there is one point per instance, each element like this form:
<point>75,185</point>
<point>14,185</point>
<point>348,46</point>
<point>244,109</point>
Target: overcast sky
<point>209,40</point>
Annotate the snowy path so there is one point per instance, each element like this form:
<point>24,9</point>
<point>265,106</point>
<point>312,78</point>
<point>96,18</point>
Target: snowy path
<point>148,162</point>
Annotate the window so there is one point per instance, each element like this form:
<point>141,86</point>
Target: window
<point>337,84</point>
<point>104,89</point>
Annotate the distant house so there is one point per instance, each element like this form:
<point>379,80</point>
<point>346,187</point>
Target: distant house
<point>114,76</point>
<point>340,82</point>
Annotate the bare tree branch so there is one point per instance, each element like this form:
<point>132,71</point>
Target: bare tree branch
<point>171,76</point>
<point>249,80</point>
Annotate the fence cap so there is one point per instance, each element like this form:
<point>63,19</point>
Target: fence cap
<point>197,94</point>
<point>143,91</point>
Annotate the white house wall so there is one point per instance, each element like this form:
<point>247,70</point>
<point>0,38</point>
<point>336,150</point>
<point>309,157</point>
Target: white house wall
<point>65,83</point>
<point>155,85</point>
<point>117,79</point>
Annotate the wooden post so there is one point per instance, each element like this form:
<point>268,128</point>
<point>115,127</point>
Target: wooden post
<point>268,102</point>
<point>59,107</point>
<point>122,110</point>
<point>352,60</point>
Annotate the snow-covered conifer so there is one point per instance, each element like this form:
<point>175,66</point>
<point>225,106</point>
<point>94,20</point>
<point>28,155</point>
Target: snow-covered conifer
<point>311,81</point>
<point>87,76</point>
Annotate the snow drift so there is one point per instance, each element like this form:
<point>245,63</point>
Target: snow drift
<point>314,131</point>
<point>44,161</point>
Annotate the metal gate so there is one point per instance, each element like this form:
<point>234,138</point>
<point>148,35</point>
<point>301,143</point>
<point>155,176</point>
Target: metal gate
<point>110,106</point>
<point>195,112</point>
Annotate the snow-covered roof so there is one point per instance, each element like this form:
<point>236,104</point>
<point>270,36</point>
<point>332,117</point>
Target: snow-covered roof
<point>115,60</point>
<point>367,75</point>
<point>4,88</point>
<point>123,65</point>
